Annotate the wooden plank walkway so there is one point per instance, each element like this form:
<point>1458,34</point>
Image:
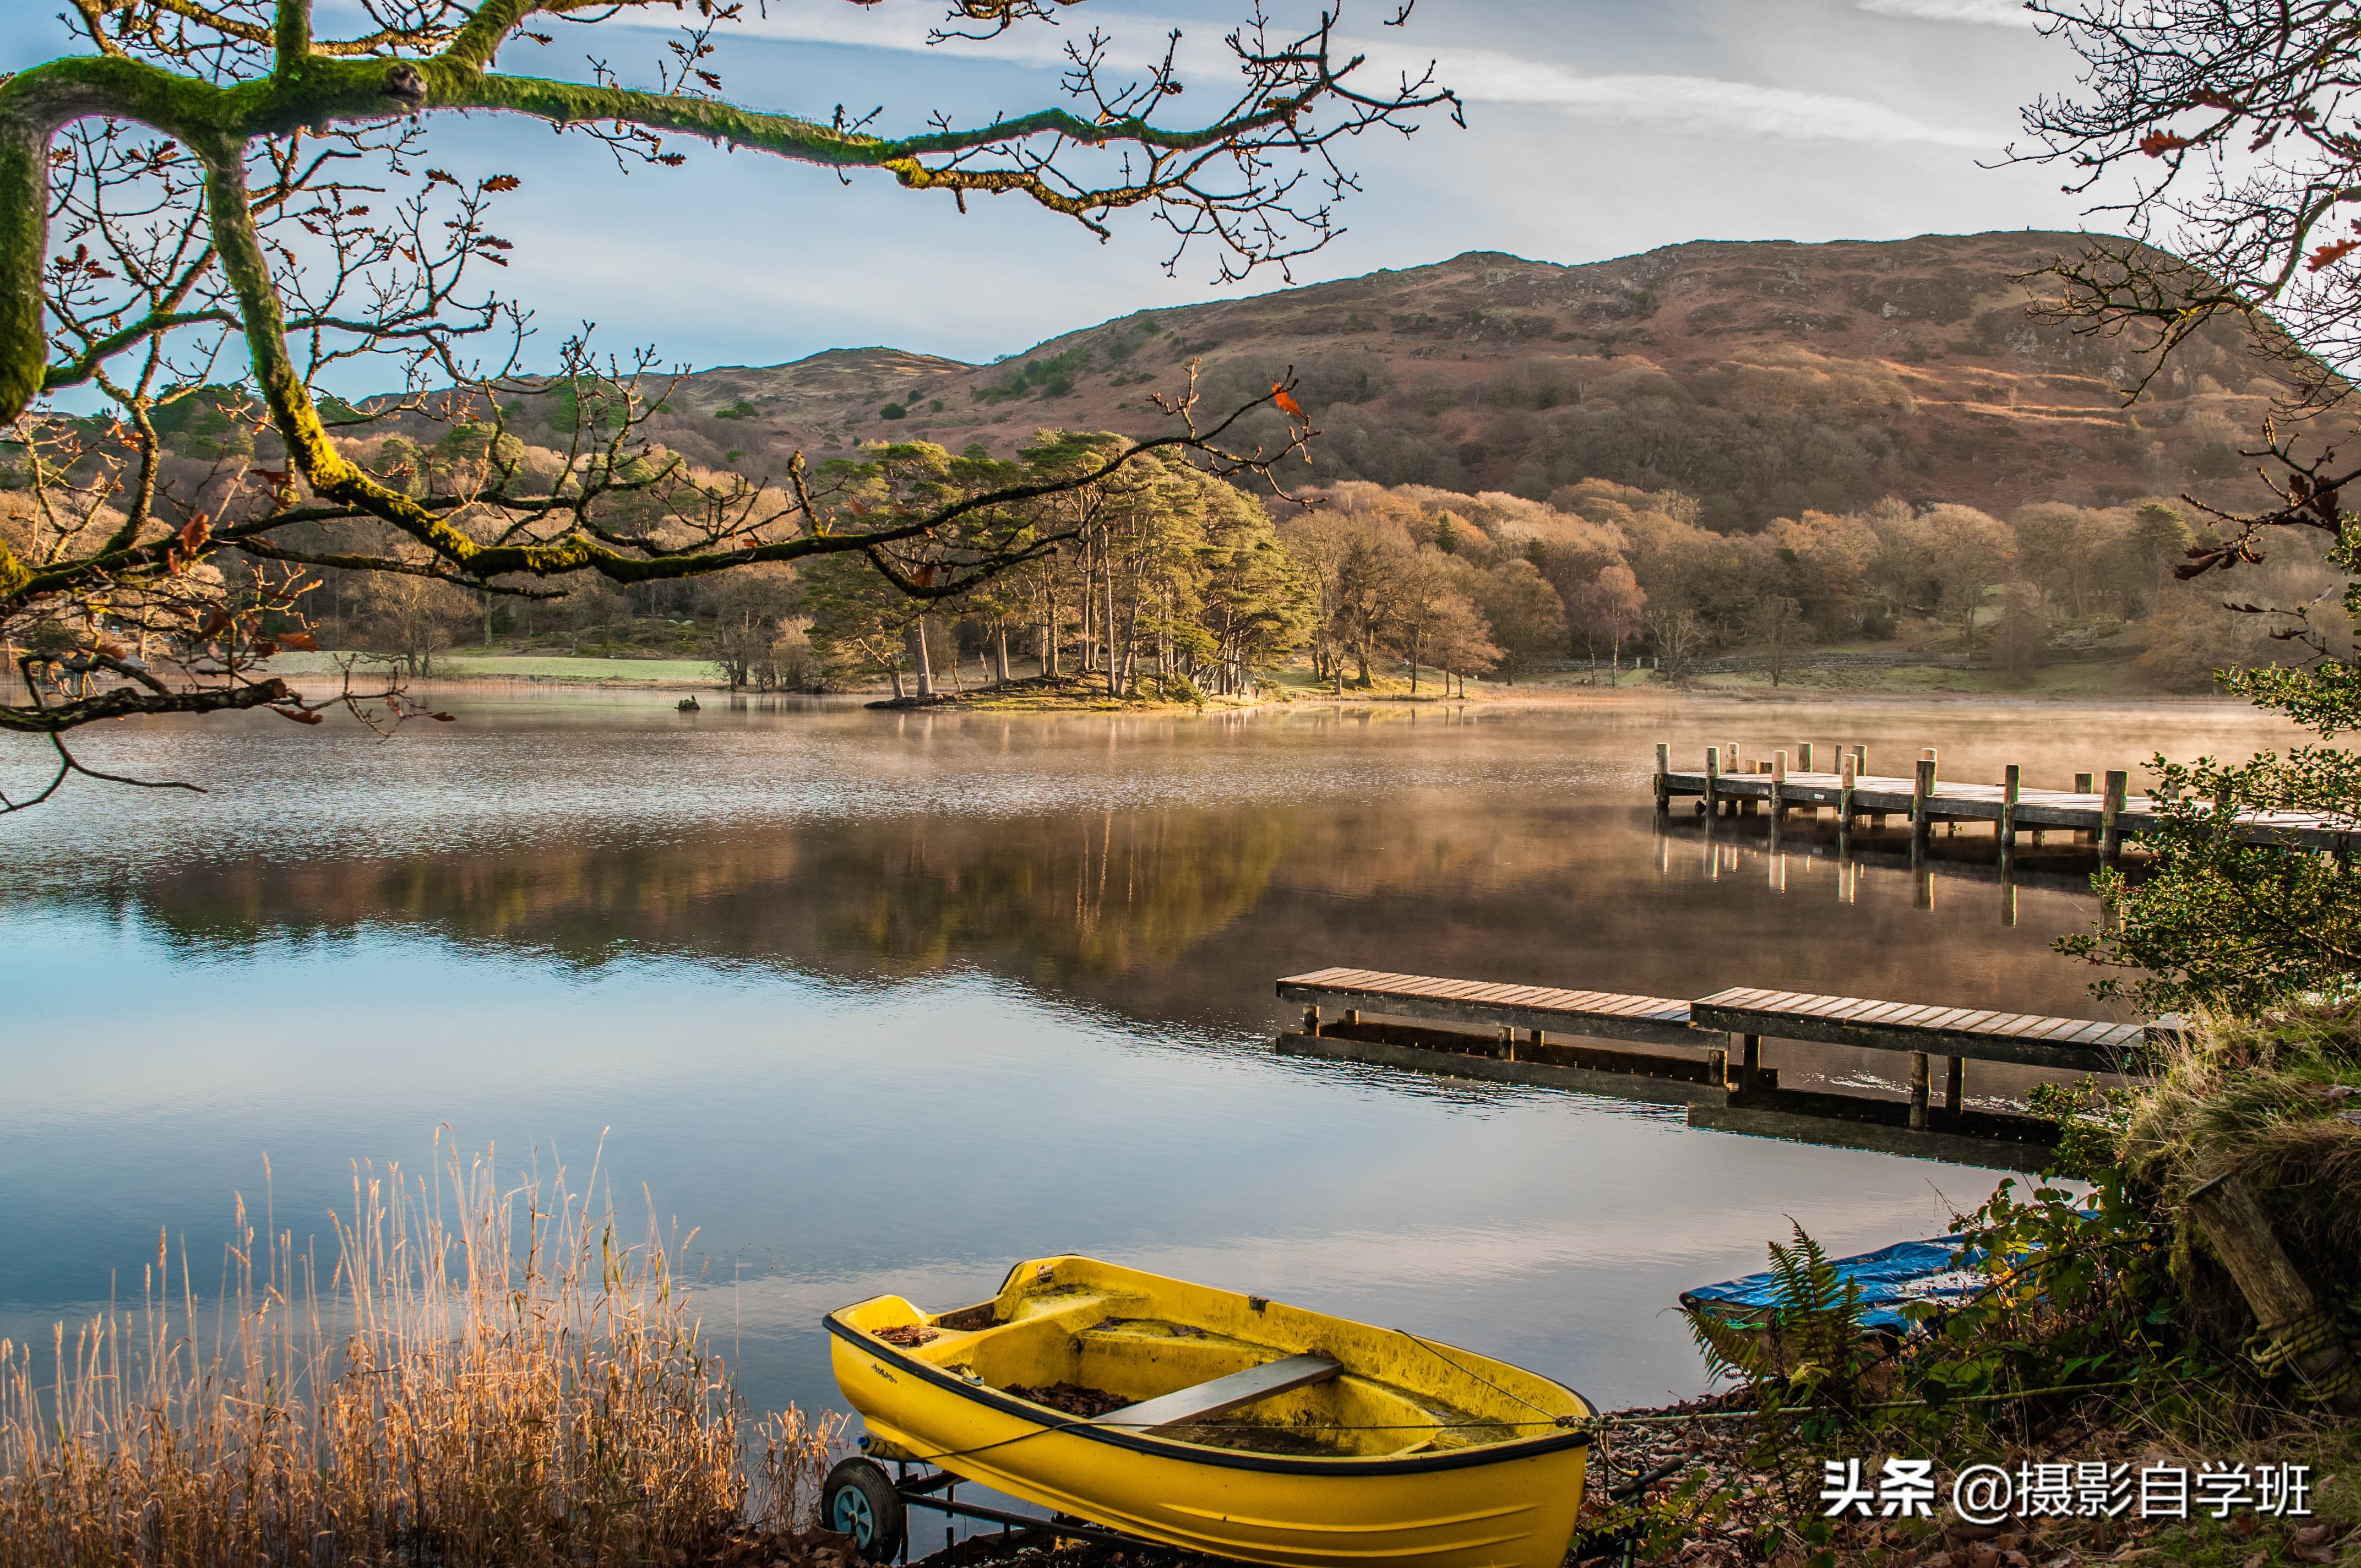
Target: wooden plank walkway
<point>1740,1017</point>
<point>2108,813</point>
<point>2073,1044</point>
<point>1594,1014</point>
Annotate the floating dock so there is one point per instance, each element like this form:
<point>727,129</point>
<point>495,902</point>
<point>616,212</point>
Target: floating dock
<point>1721,1075</point>
<point>2098,807</point>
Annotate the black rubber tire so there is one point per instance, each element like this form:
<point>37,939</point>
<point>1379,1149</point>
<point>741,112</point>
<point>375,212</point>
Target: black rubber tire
<point>858,1499</point>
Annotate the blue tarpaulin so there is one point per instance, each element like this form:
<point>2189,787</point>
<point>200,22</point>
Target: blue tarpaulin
<point>1938,1270</point>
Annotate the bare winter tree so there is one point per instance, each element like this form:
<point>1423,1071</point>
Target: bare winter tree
<point>209,193</point>
<point>2227,132</point>
<point>2230,131</point>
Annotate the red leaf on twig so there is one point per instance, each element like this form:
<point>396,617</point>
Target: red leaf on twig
<point>302,641</point>
<point>1279,395</point>
<point>297,714</point>
<point>2155,144</point>
<point>2330,254</point>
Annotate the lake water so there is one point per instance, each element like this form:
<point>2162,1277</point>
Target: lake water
<point>886,1002</point>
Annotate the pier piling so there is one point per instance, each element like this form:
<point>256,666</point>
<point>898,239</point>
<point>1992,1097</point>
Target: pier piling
<point>2111,815</point>
<point>2011,778</point>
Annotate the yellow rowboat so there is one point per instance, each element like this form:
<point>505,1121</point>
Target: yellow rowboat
<point>1211,1422</point>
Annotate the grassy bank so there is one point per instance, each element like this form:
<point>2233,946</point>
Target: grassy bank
<point>1086,693</point>
<point>559,668</point>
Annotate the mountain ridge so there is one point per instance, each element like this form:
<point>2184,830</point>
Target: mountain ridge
<point>1762,377</point>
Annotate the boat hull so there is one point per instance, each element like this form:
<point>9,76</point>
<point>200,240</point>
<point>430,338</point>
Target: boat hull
<point>1510,1505</point>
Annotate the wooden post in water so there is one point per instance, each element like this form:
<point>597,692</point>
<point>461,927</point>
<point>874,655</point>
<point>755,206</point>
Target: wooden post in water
<point>1922,786</point>
<point>1663,778</point>
<point>2084,784</point>
<point>2301,1333</point>
<point>1712,780</point>
<point>2010,778</point>
<point>1717,1067</point>
<point>1778,784</point>
<point>1847,777</point>
<point>2111,811</point>
<point>1955,1085</point>
<point>1748,1064</point>
<point>1918,1092</point>
<point>1803,756</point>
<point>1312,1022</point>
<point>1352,1016</point>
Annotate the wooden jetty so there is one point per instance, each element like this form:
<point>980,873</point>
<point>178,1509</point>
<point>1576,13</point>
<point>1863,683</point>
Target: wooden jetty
<point>1721,1075</point>
<point>1729,783</point>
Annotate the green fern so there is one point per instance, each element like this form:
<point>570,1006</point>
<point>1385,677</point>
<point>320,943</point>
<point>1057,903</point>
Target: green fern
<point>1810,1362</point>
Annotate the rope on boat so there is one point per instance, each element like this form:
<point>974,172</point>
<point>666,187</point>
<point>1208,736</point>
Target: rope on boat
<point>1432,1350</point>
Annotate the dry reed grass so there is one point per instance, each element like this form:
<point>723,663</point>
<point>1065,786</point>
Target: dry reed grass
<point>488,1377</point>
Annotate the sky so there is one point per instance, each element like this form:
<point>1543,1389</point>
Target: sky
<point>1596,128</point>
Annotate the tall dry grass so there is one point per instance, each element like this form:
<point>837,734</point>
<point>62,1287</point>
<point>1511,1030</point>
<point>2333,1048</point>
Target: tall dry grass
<point>487,1375</point>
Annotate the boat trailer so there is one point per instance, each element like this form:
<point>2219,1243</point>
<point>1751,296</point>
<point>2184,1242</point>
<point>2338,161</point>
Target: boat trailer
<point>860,1500</point>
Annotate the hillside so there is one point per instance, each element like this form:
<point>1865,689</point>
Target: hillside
<point>1762,377</point>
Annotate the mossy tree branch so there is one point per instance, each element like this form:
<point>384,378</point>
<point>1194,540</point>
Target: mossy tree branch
<point>237,100</point>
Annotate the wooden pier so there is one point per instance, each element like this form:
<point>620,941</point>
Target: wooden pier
<point>2098,808</point>
<point>1726,1084</point>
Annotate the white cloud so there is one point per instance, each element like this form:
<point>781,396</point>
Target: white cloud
<point>1986,13</point>
<point>1693,105</point>
<point>1689,104</point>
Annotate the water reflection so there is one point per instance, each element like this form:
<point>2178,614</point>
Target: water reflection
<point>883,1002</point>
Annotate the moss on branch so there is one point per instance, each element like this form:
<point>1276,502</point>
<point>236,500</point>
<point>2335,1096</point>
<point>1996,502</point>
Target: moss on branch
<point>122,702</point>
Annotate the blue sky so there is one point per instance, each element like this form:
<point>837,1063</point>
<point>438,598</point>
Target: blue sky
<point>1596,128</point>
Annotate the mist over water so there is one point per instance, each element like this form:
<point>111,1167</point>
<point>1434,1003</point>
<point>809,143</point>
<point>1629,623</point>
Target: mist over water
<point>885,1002</point>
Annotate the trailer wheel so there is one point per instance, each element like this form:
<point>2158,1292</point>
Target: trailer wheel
<point>858,1499</point>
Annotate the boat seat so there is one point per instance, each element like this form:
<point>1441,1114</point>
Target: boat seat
<point>1204,1401</point>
